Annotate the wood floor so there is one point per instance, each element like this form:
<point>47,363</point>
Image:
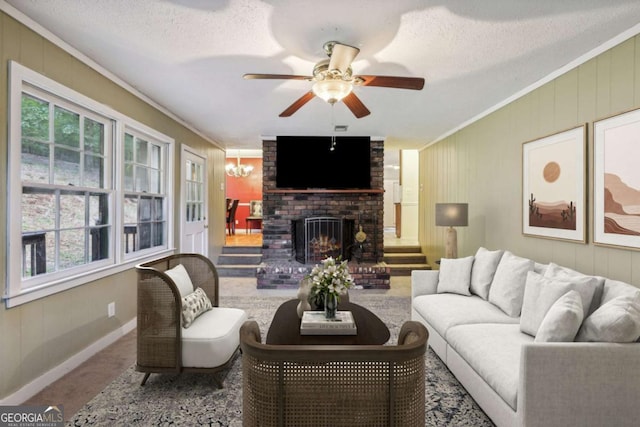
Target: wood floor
<point>243,239</point>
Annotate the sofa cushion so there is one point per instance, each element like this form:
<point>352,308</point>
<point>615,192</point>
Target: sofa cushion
<point>507,288</point>
<point>212,338</point>
<point>484,268</point>
<point>614,288</point>
<point>193,305</point>
<point>618,320</point>
<point>442,311</point>
<point>455,275</point>
<point>540,293</point>
<point>493,351</point>
<point>563,320</point>
<point>181,278</point>
<point>590,287</point>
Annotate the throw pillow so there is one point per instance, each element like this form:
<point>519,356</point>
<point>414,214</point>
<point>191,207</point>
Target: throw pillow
<point>484,268</point>
<point>540,293</point>
<point>455,275</point>
<point>615,321</point>
<point>563,319</point>
<point>193,305</point>
<point>507,287</point>
<point>589,287</point>
<point>181,278</point>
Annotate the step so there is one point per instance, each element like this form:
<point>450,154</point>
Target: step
<point>242,249</point>
<point>240,259</point>
<point>406,269</point>
<point>402,249</point>
<point>237,270</point>
<point>404,258</point>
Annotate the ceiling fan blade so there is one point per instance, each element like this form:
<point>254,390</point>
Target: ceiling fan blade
<point>414,83</point>
<point>276,76</point>
<point>297,104</point>
<point>355,105</point>
<point>342,56</point>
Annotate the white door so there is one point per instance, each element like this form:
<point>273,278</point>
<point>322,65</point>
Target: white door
<point>193,203</point>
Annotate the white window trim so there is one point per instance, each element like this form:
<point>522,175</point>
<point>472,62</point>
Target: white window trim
<point>14,293</point>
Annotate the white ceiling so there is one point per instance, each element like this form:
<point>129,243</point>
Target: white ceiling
<point>189,56</point>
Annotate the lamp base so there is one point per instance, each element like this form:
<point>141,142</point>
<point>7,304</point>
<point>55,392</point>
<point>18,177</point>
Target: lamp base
<point>451,243</point>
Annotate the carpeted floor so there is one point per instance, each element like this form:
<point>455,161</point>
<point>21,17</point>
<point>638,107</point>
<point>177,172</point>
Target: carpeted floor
<point>194,399</point>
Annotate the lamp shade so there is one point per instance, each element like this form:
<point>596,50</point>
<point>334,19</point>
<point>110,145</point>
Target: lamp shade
<point>452,214</point>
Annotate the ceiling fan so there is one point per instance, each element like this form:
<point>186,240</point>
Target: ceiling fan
<point>334,80</point>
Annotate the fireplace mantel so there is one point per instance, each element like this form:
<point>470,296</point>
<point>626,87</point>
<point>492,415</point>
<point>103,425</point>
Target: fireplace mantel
<point>320,190</point>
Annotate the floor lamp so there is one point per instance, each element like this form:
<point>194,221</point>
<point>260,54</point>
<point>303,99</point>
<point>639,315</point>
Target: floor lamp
<point>452,215</point>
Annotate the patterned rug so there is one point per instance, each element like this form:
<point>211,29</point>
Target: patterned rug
<point>194,399</point>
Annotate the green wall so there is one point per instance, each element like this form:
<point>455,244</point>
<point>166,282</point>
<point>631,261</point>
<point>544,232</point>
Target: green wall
<point>40,335</point>
<point>482,164</point>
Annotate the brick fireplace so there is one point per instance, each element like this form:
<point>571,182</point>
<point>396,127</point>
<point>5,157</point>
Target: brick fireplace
<point>281,208</point>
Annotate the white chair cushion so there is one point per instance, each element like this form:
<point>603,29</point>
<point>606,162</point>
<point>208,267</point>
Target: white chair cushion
<point>484,268</point>
<point>563,320</point>
<point>455,275</point>
<point>212,338</point>
<point>181,278</point>
<point>507,288</point>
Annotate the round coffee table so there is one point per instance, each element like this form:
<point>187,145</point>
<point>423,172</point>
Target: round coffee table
<point>285,328</point>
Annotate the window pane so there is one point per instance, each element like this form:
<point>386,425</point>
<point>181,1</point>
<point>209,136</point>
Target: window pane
<point>38,210</point>
<point>154,182</point>
<point>93,171</point>
<point>158,211</point>
<point>67,128</point>
<point>99,243</point>
<point>35,118</point>
<point>142,155</point>
<point>187,170</point>
<point>34,250</point>
<point>71,248</point>
<point>158,233</point>
<point>131,210</point>
<point>155,156</point>
<point>66,167</point>
<point>128,147</point>
<point>142,179</point>
<point>93,136</point>
<point>145,209</point>
<point>98,209</point>
<point>72,210</point>
<point>128,177</point>
<point>35,161</point>
<point>144,235</point>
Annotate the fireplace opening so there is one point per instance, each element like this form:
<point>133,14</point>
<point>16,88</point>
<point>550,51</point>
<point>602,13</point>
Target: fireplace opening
<point>317,238</point>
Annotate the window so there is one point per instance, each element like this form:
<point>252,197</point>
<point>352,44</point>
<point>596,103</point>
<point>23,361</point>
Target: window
<point>87,187</point>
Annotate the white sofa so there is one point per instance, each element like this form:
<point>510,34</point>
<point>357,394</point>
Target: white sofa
<point>516,380</point>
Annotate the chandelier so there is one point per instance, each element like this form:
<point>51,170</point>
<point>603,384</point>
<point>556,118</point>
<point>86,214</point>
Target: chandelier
<point>238,170</point>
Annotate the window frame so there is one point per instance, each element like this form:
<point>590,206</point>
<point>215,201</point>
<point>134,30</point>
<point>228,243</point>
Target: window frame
<point>19,290</point>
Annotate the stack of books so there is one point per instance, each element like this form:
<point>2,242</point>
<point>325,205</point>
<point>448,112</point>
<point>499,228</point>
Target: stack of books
<point>315,323</point>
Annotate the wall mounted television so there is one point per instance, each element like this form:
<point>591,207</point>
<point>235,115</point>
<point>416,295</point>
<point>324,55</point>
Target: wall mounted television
<point>308,162</point>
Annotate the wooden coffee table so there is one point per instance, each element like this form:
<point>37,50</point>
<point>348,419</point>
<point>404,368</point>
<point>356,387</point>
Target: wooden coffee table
<point>285,328</point>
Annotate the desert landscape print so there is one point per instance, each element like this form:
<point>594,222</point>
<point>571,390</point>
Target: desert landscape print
<point>552,184</point>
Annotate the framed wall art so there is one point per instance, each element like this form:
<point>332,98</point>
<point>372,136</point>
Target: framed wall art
<point>553,186</point>
<point>616,180</point>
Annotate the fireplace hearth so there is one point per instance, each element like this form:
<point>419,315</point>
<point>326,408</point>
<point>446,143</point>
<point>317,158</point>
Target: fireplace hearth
<point>317,238</point>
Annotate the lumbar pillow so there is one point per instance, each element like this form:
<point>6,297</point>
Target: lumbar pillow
<point>507,287</point>
<point>563,319</point>
<point>484,268</point>
<point>540,293</point>
<point>193,305</point>
<point>455,275</point>
<point>615,321</point>
<point>181,278</point>
<point>589,287</point>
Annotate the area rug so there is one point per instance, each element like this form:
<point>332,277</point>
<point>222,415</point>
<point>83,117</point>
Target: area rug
<point>194,399</point>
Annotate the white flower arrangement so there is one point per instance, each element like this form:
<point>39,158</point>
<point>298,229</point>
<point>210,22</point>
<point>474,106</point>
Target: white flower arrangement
<point>330,277</point>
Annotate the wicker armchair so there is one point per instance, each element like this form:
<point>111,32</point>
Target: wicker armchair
<point>164,345</point>
<point>346,385</point>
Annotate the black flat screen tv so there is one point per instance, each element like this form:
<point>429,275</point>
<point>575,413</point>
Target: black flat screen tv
<point>313,162</point>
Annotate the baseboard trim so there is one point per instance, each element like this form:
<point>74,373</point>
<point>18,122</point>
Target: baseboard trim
<point>54,374</point>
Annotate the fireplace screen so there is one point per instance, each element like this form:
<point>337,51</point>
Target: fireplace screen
<point>320,237</point>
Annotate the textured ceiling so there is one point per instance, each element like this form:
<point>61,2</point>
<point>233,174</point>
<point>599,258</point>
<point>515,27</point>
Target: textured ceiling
<point>190,55</point>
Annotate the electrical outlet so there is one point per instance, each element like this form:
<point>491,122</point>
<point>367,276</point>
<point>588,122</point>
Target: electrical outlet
<point>237,222</point>
<point>111,309</point>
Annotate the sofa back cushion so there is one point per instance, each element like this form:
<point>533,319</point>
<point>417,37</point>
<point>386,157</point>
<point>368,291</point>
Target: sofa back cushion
<point>484,268</point>
<point>455,275</point>
<point>182,280</point>
<point>617,320</point>
<point>507,287</point>
<point>590,287</point>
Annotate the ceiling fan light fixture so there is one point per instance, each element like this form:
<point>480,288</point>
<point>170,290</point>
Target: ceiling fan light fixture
<point>332,91</point>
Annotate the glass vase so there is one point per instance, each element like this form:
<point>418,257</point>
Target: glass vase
<point>330,305</point>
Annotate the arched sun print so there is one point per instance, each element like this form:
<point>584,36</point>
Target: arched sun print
<point>551,172</point>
